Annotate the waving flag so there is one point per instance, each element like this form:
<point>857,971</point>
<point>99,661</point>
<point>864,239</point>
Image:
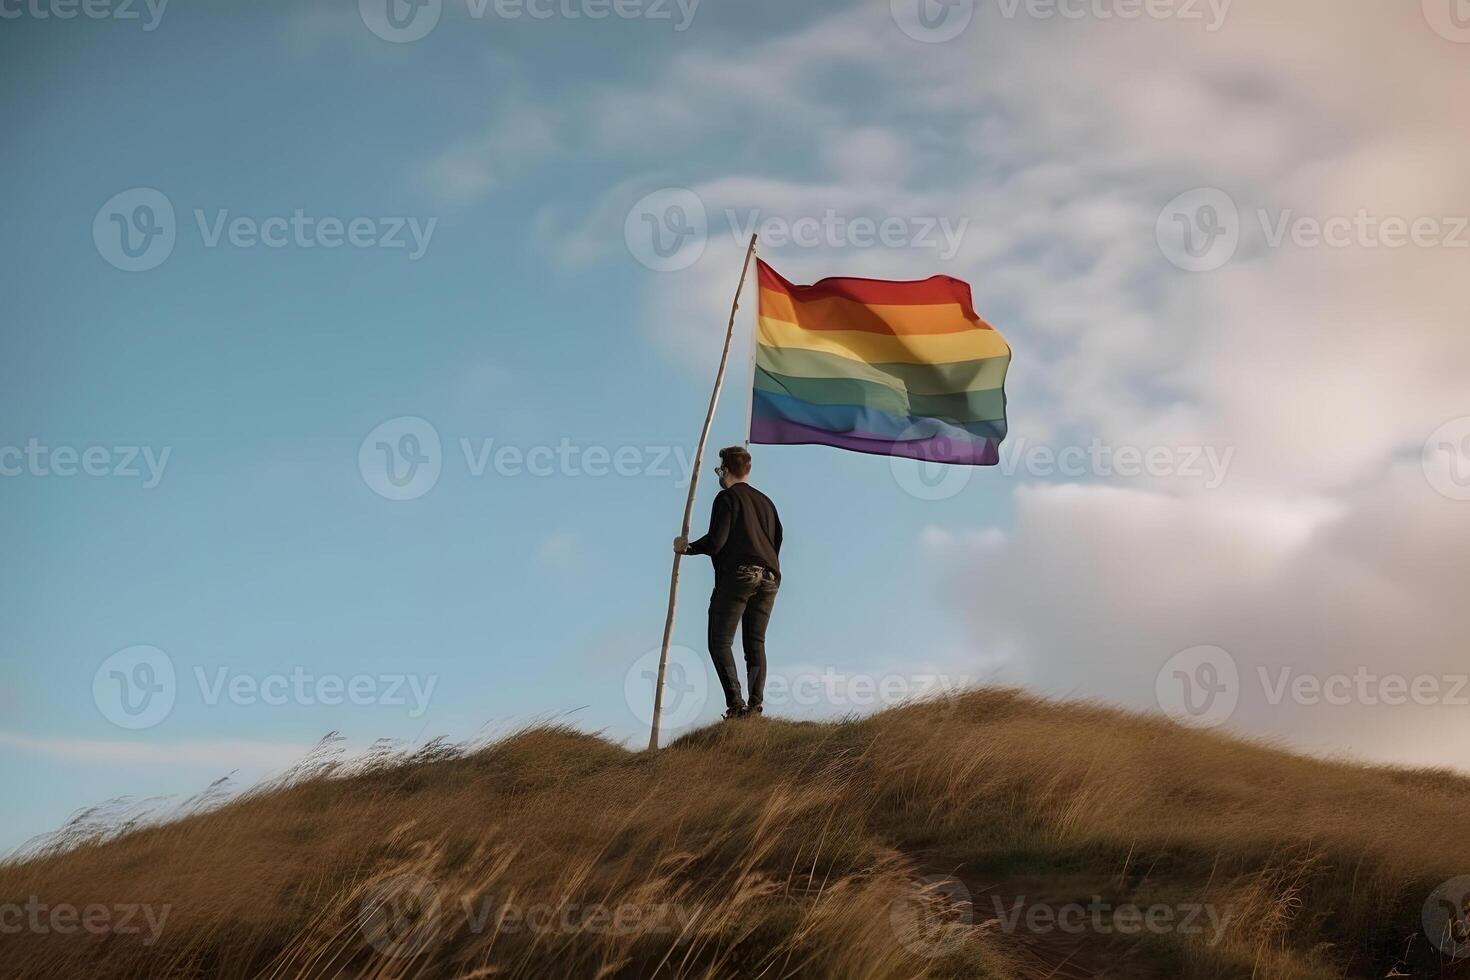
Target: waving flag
<point>890,368</point>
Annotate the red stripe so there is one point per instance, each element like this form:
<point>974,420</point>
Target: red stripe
<point>920,292</point>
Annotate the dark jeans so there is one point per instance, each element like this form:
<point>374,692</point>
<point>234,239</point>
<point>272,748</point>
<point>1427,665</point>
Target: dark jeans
<point>743,597</point>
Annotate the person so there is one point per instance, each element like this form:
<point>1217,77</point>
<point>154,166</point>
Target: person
<point>744,542</point>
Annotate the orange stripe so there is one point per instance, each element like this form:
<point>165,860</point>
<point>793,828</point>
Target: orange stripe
<point>837,313</point>
<point>877,348</point>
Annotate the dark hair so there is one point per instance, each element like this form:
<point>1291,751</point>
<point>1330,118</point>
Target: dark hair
<point>736,461</point>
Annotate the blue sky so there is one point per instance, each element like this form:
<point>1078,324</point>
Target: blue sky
<point>519,147</point>
<point>262,549</point>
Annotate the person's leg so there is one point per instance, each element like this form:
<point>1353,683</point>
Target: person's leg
<point>726,604</point>
<point>753,638</point>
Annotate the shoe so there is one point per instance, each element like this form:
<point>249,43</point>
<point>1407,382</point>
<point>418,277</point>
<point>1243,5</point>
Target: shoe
<point>755,710</point>
<point>734,713</point>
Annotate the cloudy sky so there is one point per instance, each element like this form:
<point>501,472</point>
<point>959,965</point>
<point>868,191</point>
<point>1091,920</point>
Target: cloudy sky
<point>353,355</point>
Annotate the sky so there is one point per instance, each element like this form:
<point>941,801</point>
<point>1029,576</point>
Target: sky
<point>352,358</point>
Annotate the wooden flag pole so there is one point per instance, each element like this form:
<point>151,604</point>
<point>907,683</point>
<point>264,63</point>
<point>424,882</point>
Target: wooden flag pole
<point>709,418</point>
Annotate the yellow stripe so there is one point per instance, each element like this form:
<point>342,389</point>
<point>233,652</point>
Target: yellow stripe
<point>837,313</point>
<point>876,348</point>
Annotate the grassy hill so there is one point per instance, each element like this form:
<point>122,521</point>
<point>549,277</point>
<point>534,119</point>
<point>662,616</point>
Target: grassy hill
<point>991,835</point>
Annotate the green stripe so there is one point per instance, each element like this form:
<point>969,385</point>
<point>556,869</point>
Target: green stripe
<point>961,406</point>
<point>921,379</point>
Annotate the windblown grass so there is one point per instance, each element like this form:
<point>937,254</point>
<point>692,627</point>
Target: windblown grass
<point>776,849</point>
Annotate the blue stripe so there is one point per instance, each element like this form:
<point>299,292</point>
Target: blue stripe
<point>870,421</point>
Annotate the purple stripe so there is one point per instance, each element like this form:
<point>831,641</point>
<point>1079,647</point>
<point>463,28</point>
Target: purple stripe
<point>939,449</point>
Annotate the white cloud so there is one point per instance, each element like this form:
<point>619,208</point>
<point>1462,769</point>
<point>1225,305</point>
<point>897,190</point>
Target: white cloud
<point>1098,587</point>
<point>519,136</point>
<point>1059,142</point>
<point>870,155</point>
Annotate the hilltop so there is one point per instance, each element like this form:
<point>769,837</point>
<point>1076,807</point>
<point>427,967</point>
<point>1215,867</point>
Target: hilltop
<point>990,835</point>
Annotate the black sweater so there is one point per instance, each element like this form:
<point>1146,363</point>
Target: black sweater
<point>744,529</point>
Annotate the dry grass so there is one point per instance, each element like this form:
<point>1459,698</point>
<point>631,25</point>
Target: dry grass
<point>775,849</point>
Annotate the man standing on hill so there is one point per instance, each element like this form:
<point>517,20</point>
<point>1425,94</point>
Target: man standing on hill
<point>744,540</point>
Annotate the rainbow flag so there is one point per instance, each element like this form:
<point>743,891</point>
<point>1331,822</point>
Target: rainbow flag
<point>891,368</point>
